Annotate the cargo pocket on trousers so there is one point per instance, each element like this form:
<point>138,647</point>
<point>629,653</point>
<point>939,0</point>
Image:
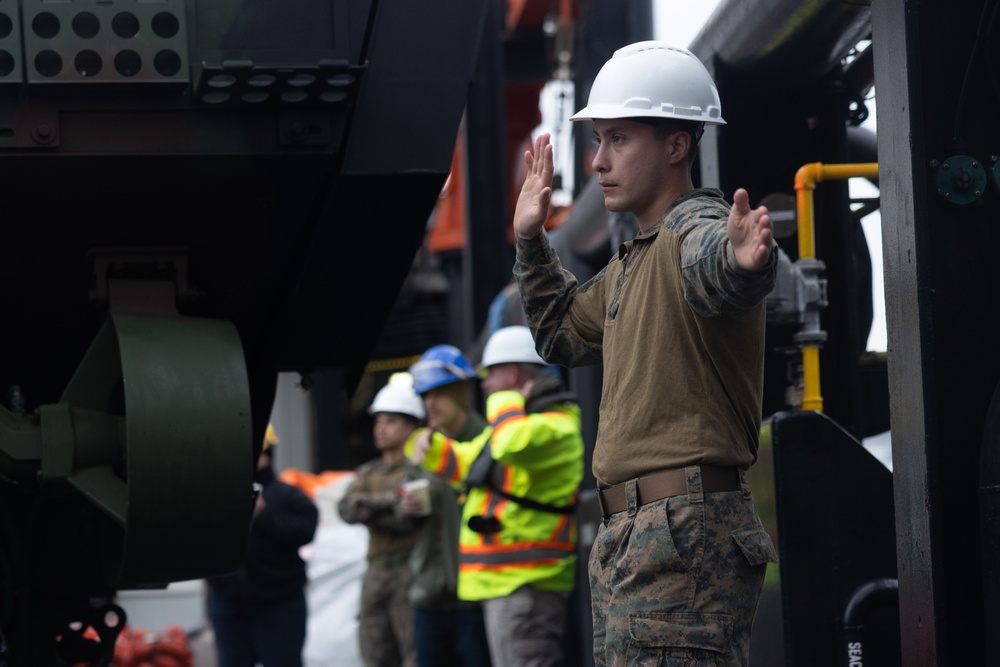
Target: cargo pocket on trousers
<point>679,638</point>
<point>756,545</point>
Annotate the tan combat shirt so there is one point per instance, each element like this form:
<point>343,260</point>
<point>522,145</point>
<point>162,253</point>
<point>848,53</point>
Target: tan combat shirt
<point>679,327</point>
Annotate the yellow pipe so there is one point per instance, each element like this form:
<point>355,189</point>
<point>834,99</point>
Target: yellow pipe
<point>812,399</point>
<point>806,179</point>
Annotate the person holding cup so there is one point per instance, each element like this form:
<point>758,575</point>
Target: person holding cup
<point>374,499</point>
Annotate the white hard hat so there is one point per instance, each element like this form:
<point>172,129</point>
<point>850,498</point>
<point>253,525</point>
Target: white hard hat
<point>510,345</point>
<point>653,80</point>
<point>398,397</point>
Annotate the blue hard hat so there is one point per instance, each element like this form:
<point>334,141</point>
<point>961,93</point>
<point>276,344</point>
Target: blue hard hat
<point>440,365</point>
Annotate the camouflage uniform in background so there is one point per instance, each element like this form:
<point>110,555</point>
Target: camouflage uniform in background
<point>447,631</point>
<point>386,615</point>
<point>679,327</point>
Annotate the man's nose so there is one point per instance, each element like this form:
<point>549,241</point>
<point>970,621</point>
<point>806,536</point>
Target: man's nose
<point>599,164</point>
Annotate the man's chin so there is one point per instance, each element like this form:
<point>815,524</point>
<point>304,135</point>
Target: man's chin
<point>612,205</point>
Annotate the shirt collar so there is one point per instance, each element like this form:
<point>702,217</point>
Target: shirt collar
<point>625,248</point>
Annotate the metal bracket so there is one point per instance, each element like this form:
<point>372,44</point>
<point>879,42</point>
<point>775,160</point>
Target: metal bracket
<point>141,281</point>
<point>800,292</point>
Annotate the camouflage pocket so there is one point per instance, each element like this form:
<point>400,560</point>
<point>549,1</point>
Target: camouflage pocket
<point>683,543</point>
<point>756,545</point>
<point>679,638</point>
<point>609,541</point>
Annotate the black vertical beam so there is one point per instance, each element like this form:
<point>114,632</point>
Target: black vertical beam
<point>936,101</point>
<point>329,393</point>
<point>488,257</point>
<point>903,241</point>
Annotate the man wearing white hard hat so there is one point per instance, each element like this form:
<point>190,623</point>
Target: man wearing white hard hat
<point>677,320</point>
<point>517,545</point>
<point>386,616</point>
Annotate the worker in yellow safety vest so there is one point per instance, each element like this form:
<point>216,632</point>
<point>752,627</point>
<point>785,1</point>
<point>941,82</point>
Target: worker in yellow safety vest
<point>518,536</point>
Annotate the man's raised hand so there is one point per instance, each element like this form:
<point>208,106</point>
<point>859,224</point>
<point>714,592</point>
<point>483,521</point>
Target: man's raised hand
<point>536,193</point>
<point>750,232</point>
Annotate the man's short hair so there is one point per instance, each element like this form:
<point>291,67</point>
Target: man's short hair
<point>664,127</point>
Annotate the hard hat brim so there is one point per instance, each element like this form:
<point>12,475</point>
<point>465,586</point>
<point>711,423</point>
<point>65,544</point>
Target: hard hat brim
<point>611,111</point>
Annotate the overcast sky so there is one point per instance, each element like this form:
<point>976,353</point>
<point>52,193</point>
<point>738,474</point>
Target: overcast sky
<point>679,21</point>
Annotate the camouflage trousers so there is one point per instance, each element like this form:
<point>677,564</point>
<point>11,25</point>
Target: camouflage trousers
<point>385,629</point>
<point>677,581</point>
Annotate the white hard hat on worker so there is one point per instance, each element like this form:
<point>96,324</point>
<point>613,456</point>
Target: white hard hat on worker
<point>398,397</point>
<point>653,80</point>
<point>509,345</point>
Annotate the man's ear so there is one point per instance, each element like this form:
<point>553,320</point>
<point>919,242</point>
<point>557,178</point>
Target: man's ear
<point>679,144</point>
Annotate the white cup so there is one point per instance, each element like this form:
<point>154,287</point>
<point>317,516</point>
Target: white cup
<point>422,489</point>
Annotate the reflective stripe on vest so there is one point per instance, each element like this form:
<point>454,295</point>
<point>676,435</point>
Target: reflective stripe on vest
<point>489,543</point>
<point>528,553</point>
<point>448,466</point>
